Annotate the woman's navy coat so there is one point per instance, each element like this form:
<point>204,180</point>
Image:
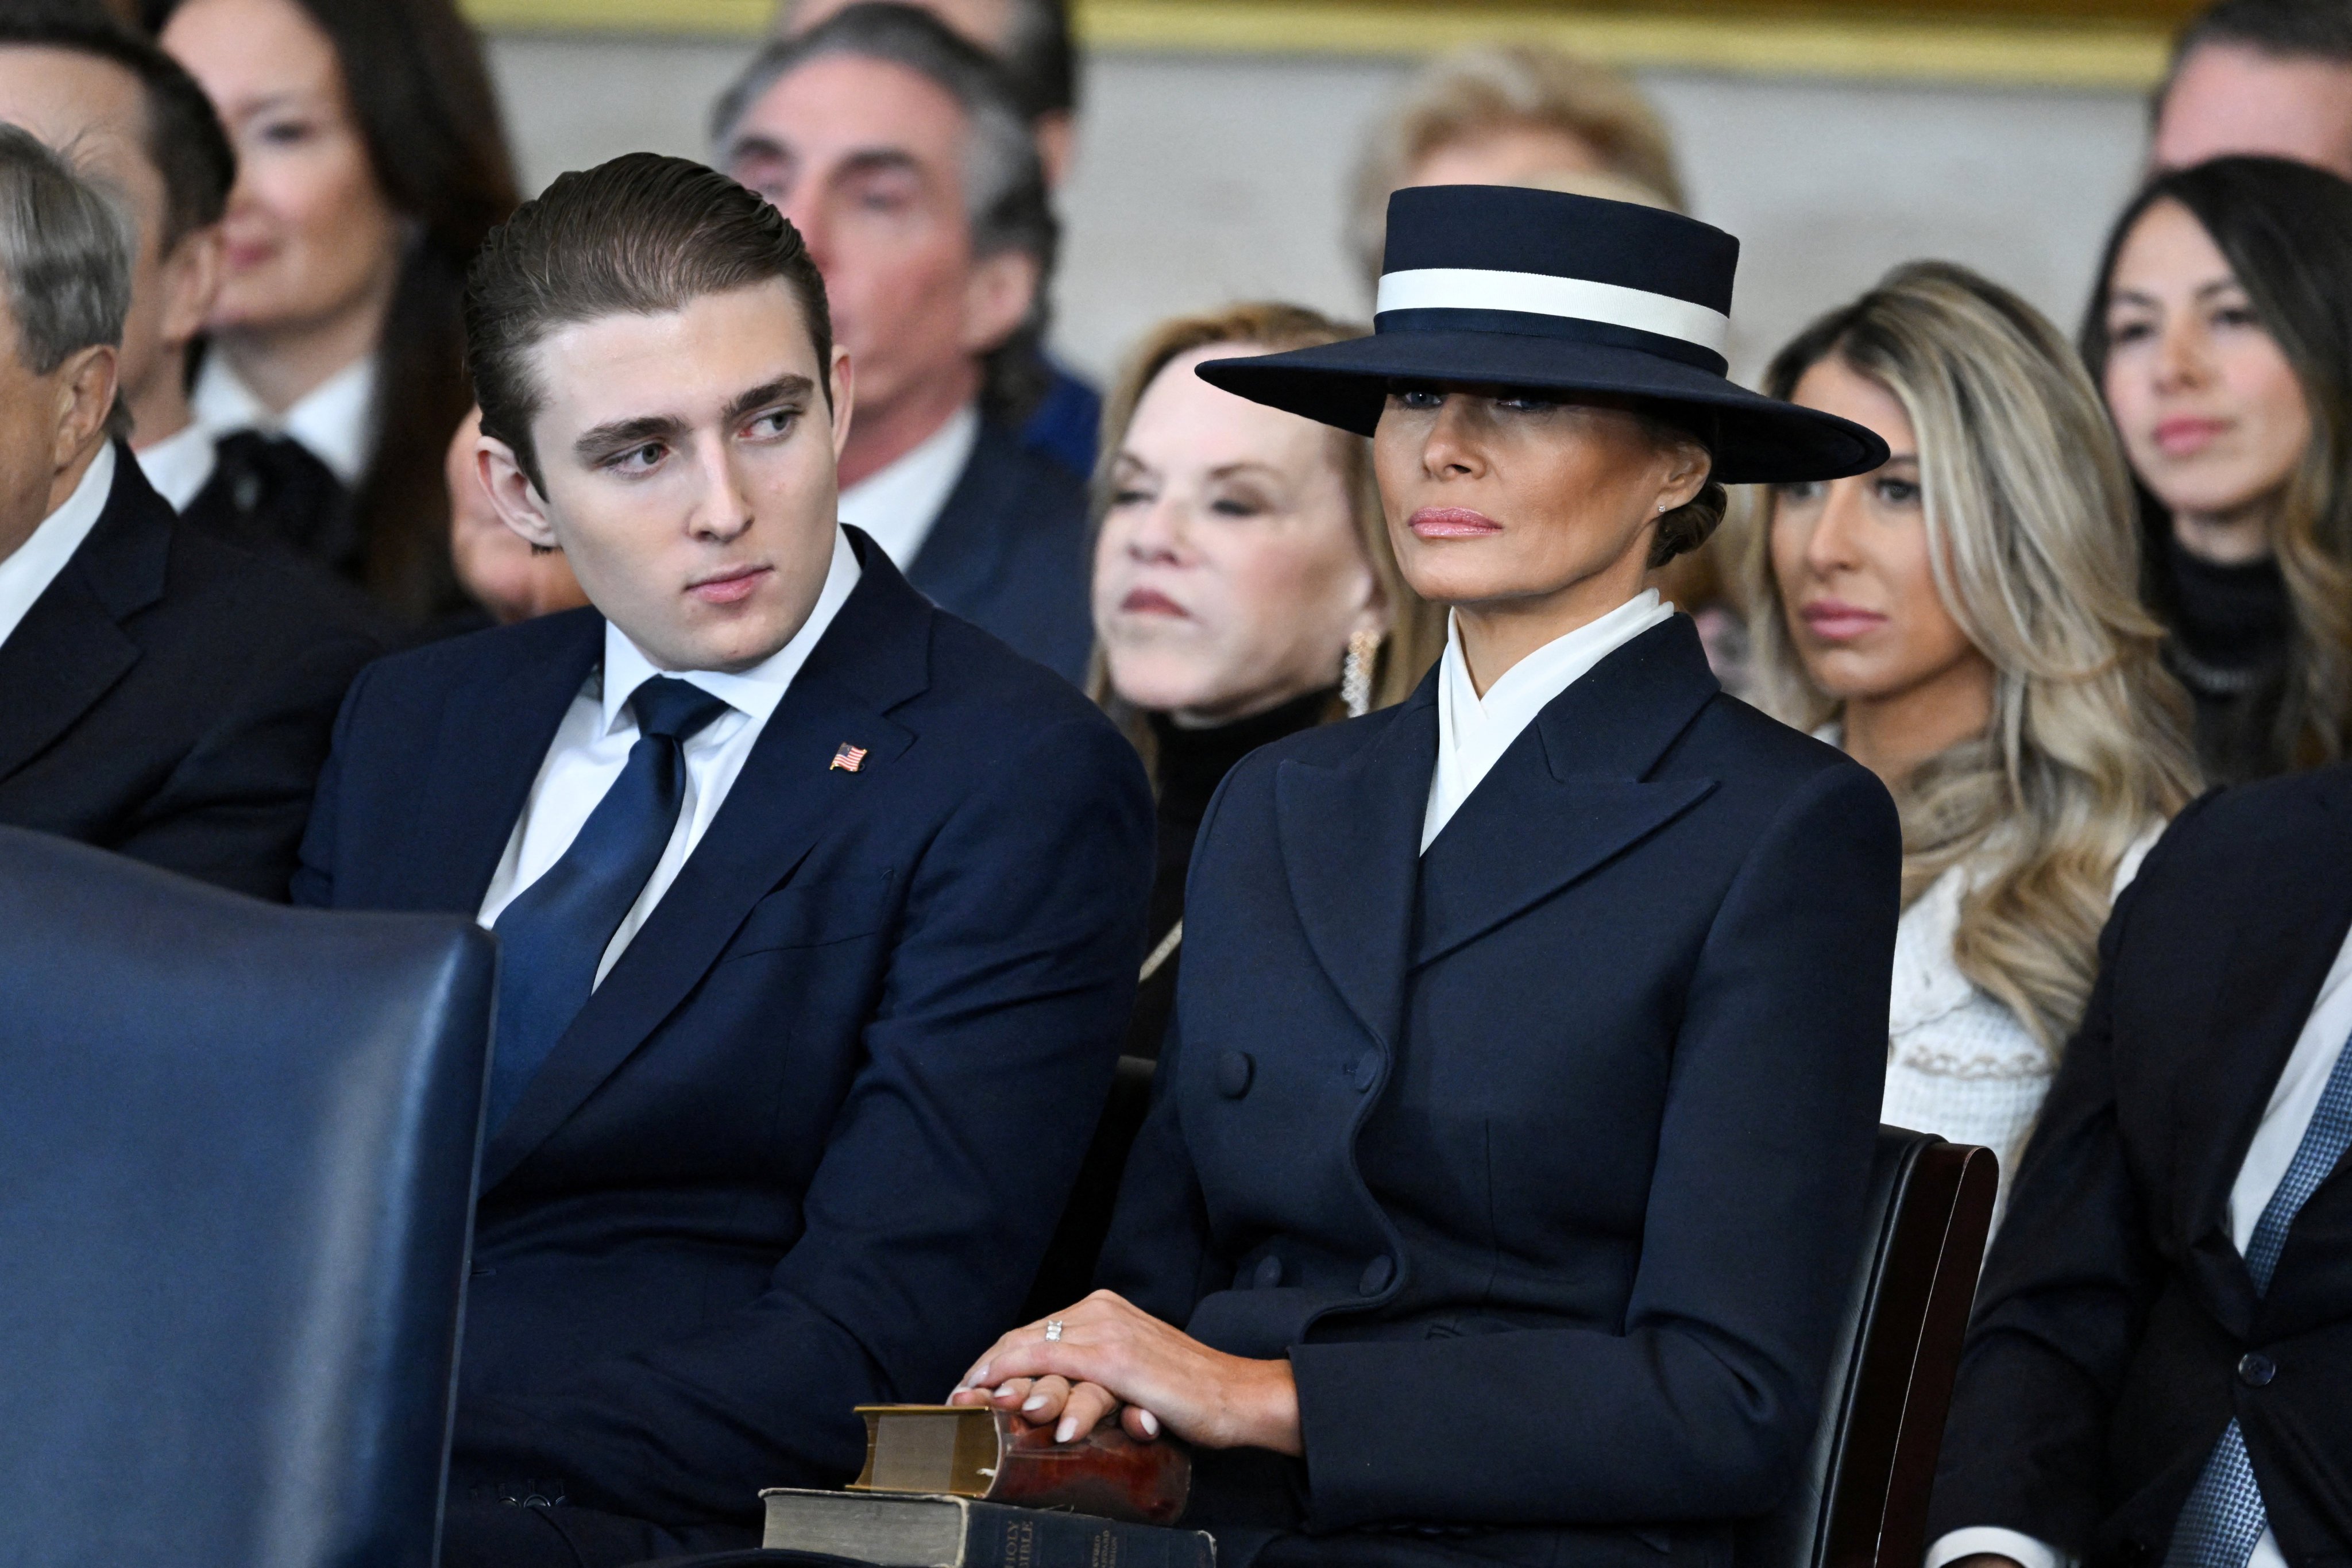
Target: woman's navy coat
<point>1541,1155</point>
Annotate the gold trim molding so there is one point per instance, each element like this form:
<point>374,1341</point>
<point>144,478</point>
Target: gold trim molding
<point>2094,53</point>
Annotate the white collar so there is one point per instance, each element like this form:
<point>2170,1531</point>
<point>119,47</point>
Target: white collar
<point>899,503</point>
<point>25,574</point>
<point>178,465</point>
<point>332,420</point>
<point>1472,732</point>
<point>756,690</point>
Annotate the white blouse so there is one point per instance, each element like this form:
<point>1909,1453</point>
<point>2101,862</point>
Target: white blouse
<point>1958,1063</point>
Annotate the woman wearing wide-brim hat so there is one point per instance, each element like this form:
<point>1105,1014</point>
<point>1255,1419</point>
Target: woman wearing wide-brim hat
<point>1507,1159</point>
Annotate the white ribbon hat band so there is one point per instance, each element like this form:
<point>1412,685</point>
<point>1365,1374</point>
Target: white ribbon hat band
<point>1542,294</point>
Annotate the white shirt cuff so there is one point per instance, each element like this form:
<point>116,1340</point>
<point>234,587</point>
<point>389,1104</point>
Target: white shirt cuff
<point>2023,1549</point>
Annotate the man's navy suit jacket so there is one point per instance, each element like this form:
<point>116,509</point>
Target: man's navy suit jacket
<point>804,1146</point>
<point>1540,1154</point>
<point>1010,553</point>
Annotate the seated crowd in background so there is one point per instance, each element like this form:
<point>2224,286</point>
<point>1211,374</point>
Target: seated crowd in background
<point>245,459</point>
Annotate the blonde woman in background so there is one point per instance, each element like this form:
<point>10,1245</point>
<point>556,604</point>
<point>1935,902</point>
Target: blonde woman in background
<point>1964,622</point>
<point>1244,588</point>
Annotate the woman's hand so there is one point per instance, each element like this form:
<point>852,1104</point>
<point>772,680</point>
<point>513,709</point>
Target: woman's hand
<point>1114,1357</point>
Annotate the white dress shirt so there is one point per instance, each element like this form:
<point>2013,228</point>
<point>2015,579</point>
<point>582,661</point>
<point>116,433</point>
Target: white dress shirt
<point>2285,1121</point>
<point>178,465</point>
<point>26,575</point>
<point>897,505</point>
<point>1472,732</point>
<point>593,743</point>
<point>332,421</point>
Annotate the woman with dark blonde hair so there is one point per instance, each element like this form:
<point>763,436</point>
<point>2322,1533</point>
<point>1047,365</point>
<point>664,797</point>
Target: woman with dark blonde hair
<point>1963,622</point>
<point>1244,585</point>
<point>2221,334</point>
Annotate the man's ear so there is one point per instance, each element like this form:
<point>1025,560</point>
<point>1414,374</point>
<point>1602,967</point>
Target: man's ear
<point>843,399</point>
<point>997,298</point>
<point>192,277</point>
<point>85,386</point>
<point>517,500</point>
<point>1056,135</point>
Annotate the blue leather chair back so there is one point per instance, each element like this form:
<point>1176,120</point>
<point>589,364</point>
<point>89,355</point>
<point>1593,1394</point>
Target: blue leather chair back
<point>238,1146</point>
<point>1863,1500</point>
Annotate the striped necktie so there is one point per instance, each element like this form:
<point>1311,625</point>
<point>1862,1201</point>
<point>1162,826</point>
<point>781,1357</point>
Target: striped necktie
<point>2224,1516</point>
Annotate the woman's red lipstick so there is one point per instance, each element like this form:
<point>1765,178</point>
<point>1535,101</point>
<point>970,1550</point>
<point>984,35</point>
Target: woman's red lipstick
<point>1453,522</point>
<point>1150,602</point>
<point>1834,620</point>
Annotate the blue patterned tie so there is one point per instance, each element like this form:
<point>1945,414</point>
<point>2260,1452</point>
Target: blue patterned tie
<point>2224,1516</point>
<point>553,935</point>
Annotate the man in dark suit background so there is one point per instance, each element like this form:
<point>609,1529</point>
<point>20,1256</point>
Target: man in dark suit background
<point>819,910</point>
<point>162,694</point>
<point>897,148</point>
<point>2160,1366</point>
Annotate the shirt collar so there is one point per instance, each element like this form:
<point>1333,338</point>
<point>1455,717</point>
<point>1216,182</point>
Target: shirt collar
<point>756,690</point>
<point>178,465</point>
<point>1529,686</point>
<point>898,504</point>
<point>26,574</point>
<point>331,420</point>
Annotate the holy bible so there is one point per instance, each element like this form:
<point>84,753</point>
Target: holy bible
<point>973,1451</point>
<point>899,1531</point>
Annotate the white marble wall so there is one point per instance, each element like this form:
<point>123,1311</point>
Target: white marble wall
<point>1206,179</point>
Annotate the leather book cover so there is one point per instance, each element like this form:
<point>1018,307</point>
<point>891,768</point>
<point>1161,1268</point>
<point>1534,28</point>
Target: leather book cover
<point>972,1451</point>
<point>896,1532</point>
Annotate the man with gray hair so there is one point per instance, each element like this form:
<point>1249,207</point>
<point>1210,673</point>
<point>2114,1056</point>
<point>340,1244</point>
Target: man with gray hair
<point>898,152</point>
<point>162,694</point>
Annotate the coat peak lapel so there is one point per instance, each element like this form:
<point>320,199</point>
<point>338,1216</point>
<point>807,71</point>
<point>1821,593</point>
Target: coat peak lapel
<point>873,658</point>
<point>1352,849</point>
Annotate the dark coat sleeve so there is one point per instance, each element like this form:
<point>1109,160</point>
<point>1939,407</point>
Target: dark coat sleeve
<point>2066,1292</point>
<point>1702,1406</point>
<point>987,1060</point>
<point>233,810</point>
<point>313,882</point>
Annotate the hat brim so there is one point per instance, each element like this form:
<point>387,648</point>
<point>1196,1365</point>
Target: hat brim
<point>1756,439</point>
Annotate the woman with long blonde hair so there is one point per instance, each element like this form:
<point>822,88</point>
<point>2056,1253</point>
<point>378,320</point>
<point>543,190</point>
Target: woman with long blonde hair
<point>1964,622</point>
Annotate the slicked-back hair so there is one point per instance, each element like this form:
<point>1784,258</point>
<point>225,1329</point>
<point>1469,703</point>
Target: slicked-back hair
<point>643,234</point>
<point>183,137</point>
<point>1005,201</point>
<point>65,254</point>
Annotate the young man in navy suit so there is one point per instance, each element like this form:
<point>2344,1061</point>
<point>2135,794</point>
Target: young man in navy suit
<point>810,899</point>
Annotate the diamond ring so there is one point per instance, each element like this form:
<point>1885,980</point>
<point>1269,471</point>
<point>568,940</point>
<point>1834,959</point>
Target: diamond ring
<point>1053,1328</point>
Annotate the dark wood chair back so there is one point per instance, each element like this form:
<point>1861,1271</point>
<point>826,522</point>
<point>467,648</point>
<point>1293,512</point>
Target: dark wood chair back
<point>1863,1500</point>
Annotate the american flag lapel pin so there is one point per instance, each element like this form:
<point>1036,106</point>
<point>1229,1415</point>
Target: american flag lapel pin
<point>848,758</point>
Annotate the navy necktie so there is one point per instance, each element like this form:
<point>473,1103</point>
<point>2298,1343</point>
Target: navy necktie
<point>2224,1516</point>
<point>553,935</point>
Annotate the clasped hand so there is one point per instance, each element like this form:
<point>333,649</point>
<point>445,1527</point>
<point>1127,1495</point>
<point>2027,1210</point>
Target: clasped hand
<point>1113,1357</point>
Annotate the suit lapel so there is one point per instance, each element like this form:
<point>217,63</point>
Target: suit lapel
<point>873,658</point>
<point>961,555</point>
<point>70,648</point>
<point>2280,952</point>
<point>1569,794</point>
<point>1350,848</point>
<point>493,738</point>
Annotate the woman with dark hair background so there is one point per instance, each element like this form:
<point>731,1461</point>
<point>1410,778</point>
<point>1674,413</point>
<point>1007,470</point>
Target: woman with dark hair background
<point>2221,335</point>
<point>370,164</point>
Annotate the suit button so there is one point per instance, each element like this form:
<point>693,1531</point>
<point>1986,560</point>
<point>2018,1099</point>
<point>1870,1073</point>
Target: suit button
<point>1268,1272</point>
<point>2255,1370</point>
<point>1377,1275</point>
<point>1364,1070</point>
<point>1234,1071</point>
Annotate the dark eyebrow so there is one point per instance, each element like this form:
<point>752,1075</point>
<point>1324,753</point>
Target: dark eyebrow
<point>756,146</point>
<point>620,434</point>
<point>777,391</point>
<point>877,160</point>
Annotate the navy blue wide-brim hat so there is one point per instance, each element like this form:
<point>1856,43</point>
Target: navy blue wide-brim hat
<point>1492,285</point>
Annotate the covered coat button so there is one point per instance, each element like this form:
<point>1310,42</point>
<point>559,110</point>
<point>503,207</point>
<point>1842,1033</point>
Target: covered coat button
<point>1268,1272</point>
<point>2255,1370</point>
<point>1233,1070</point>
<point>1377,1275</point>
